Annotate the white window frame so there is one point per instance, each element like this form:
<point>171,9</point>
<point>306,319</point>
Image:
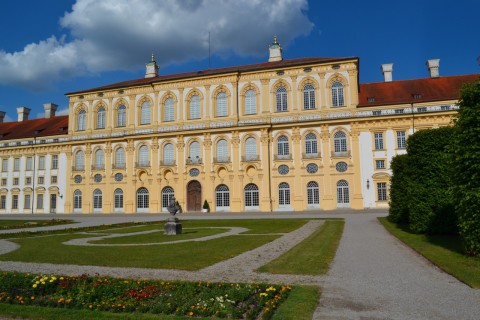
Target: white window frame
<point>101,117</point>
<point>169,110</point>
<point>338,98</point>
<point>118,200</point>
<point>378,136</point>
<point>401,139</point>
<point>121,116</point>
<point>281,99</point>
<point>250,102</point>
<point>145,113</point>
<point>222,198</point>
<point>221,105</point>
<point>194,110</point>
<point>308,97</point>
<point>340,142</point>
<point>82,120</point>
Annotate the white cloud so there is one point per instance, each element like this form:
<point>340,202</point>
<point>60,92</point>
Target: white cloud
<point>120,34</point>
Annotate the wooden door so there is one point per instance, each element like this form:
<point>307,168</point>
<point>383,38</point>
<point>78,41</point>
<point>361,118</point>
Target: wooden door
<point>194,196</point>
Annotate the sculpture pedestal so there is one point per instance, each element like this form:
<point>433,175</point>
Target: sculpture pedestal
<point>172,227</point>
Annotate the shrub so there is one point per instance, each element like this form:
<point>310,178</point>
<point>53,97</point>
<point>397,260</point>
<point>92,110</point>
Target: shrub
<point>399,186</point>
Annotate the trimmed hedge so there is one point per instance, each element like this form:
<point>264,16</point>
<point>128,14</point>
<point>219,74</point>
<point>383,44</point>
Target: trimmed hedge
<point>399,186</point>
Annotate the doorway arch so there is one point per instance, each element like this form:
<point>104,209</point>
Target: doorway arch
<point>194,196</point>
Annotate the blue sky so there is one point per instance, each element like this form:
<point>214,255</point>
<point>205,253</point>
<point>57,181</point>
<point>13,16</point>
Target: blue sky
<point>51,47</point>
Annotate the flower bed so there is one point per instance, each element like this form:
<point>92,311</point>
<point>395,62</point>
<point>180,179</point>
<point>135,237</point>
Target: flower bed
<point>14,224</point>
<point>194,299</point>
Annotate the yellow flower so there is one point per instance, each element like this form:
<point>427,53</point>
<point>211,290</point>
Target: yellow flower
<point>263,294</point>
<point>34,285</point>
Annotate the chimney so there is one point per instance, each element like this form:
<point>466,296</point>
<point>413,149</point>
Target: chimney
<point>151,68</point>
<point>23,113</point>
<point>387,71</point>
<point>2,116</point>
<point>275,51</point>
<point>50,109</point>
<point>433,65</point>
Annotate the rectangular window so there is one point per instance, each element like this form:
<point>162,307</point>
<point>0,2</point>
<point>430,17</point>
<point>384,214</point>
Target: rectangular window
<point>40,201</point>
<point>16,164</point>
<point>55,162</point>
<point>41,163</point>
<point>53,179</point>
<point>28,165</point>
<point>3,202</point>
<point>4,181</point>
<point>378,141</point>
<point>15,201</point>
<point>379,164</point>
<point>41,180</point>
<point>382,191</point>
<point>5,165</point>
<point>15,181</point>
<point>26,203</point>
<point>401,140</point>
<point>422,109</point>
<point>28,180</point>
<point>399,111</point>
<point>377,113</point>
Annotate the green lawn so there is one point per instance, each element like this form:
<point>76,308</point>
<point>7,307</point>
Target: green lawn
<point>311,256</point>
<point>186,256</point>
<point>446,252</point>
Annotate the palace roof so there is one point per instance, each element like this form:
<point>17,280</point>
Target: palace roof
<point>413,91</point>
<point>245,68</point>
<point>42,127</point>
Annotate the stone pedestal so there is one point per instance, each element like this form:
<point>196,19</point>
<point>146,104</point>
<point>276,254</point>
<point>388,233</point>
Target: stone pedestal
<point>173,227</point>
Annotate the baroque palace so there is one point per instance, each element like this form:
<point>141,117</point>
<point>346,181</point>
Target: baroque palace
<point>296,134</point>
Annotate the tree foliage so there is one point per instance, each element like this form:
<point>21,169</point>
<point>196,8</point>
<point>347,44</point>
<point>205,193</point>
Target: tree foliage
<point>466,165</point>
<point>399,186</point>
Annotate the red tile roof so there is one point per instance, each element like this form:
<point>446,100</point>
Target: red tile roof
<point>403,91</point>
<point>245,68</point>
<point>27,129</point>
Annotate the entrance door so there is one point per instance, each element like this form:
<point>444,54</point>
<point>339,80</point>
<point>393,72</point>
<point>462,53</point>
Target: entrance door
<point>343,195</point>
<point>194,196</point>
<point>53,203</point>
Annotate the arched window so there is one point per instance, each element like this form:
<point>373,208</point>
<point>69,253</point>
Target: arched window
<point>168,197</point>
<point>118,198</point>
<point>281,96</point>
<point>250,102</point>
<point>77,199</point>
<point>97,199</point>
<point>120,158</point>
<point>284,194</point>
<point>101,118</point>
<point>82,120</point>
<point>121,116</point>
<point>143,156</point>
<point>222,106</point>
<point>195,107</point>
<point>251,196</point>
<point>311,148</point>
<point>222,151</point>
<point>194,152</point>
<point>308,97</point>
<point>79,161</point>
<point>169,110</point>
<point>168,156</point>
<point>99,160</point>
<point>283,150</point>
<point>343,196</point>
<point>222,197</point>
<point>313,195</point>
<point>340,142</point>
<point>337,94</point>
<point>145,113</point>
<point>251,149</point>
<point>142,199</point>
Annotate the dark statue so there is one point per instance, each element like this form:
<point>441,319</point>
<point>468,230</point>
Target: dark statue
<point>173,227</point>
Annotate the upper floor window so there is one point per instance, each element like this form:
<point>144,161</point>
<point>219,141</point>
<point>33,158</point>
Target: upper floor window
<point>143,155</point>
<point>82,120</point>
<point>145,113</point>
<point>168,156</point>
<point>54,161</point>
<point>101,118</point>
<point>169,110</point>
<point>222,106</point>
<point>251,149</point>
<point>120,158</point>
<point>311,147</point>
<point>340,141</point>
<point>99,160</point>
<point>5,165</point>
<point>79,160</point>
<point>41,163</point>
<point>121,116</point>
<point>337,94</point>
<point>378,141</point>
<point>401,140</point>
<point>222,150</point>
<point>308,97</point>
<point>250,102</point>
<point>28,165</point>
<point>16,164</point>
<point>281,97</point>
<point>283,146</point>
<point>195,107</point>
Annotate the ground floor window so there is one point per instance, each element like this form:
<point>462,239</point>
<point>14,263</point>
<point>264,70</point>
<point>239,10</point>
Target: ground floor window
<point>382,191</point>
<point>142,198</point>
<point>77,199</point>
<point>26,203</point>
<point>168,197</point>
<point>15,201</point>
<point>3,202</point>
<point>222,196</point>
<point>283,194</point>
<point>313,194</point>
<point>118,198</point>
<point>40,201</point>
<point>343,195</point>
<point>251,196</point>
<point>97,199</point>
